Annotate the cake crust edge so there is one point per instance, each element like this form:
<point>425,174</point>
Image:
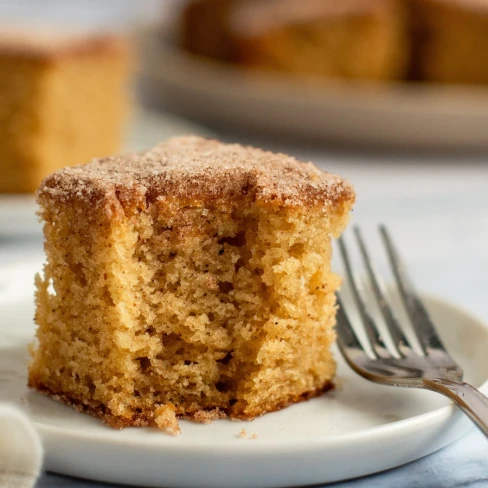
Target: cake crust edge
<point>98,410</point>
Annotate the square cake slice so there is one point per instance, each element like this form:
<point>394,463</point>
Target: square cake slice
<point>63,101</point>
<point>190,280</point>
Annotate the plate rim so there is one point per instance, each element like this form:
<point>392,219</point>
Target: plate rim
<point>318,88</point>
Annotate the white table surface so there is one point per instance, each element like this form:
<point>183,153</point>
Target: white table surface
<point>437,208</point>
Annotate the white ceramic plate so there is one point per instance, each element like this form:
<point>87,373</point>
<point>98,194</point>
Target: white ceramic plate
<point>354,113</point>
<point>146,129</point>
<point>359,429</point>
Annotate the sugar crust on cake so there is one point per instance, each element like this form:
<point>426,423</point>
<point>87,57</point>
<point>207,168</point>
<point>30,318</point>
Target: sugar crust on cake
<point>194,168</point>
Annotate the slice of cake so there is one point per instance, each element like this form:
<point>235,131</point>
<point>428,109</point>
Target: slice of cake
<point>355,39</point>
<point>63,100</point>
<point>190,280</point>
<point>452,40</point>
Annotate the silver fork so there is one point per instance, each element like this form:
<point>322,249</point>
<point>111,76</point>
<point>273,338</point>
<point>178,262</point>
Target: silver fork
<point>426,365</point>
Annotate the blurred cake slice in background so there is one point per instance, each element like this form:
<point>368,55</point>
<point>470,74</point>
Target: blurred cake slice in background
<point>63,101</point>
<point>451,40</point>
<point>353,39</point>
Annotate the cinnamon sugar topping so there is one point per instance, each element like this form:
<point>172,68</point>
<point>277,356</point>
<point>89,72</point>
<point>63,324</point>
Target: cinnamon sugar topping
<point>199,170</point>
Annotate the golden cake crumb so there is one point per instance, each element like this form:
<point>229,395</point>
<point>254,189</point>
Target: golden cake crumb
<point>242,433</point>
<point>165,418</point>
<point>195,275</point>
<point>207,416</point>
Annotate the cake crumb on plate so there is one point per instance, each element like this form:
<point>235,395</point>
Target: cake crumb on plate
<point>165,418</point>
<point>206,416</point>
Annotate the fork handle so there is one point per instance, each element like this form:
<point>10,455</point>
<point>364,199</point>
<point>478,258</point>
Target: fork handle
<point>472,401</point>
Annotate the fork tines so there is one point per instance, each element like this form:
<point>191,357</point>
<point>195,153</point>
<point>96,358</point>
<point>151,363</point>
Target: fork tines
<point>422,325</point>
